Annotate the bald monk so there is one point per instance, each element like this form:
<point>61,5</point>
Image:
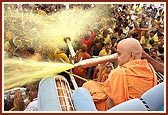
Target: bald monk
<point>129,80</point>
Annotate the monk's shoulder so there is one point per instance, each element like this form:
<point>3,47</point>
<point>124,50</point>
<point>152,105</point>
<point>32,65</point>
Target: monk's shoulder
<point>117,72</point>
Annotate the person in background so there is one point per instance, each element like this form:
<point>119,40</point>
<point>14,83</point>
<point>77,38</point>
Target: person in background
<point>88,39</point>
<point>104,71</point>
<point>95,50</point>
<point>81,55</point>
<point>33,54</point>
<point>106,50</point>
<point>60,56</point>
<point>32,103</point>
<point>137,30</point>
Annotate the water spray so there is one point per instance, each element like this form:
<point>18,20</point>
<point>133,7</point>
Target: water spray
<point>46,33</point>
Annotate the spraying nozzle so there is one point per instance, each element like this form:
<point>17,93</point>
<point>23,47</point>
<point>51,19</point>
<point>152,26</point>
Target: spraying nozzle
<point>71,49</point>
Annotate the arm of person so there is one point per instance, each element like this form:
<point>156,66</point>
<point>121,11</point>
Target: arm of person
<point>157,65</point>
<point>18,102</point>
<point>144,29</point>
<point>116,87</point>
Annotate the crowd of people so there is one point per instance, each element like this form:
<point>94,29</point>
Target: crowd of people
<point>142,22</point>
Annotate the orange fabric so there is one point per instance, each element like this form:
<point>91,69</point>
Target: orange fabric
<point>82,72</point>
<point>99,97</point>
<point>130,81</point>
<point>124,83</point>
<point>79,70</point>
<point>83,55</point>
<point>104,77</point>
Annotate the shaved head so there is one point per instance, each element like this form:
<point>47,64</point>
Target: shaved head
<point>130,44</point>
<point>128,49</point>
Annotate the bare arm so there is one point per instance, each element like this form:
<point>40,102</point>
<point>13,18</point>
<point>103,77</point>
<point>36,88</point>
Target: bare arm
<point>157,65</point>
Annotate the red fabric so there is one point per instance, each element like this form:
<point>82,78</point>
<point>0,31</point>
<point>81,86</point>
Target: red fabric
<point>89,41</point>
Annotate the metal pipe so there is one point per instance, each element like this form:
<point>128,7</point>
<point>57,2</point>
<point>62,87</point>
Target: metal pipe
<point>68,41</point>
<point>98,60</point>
<point>73,54</point>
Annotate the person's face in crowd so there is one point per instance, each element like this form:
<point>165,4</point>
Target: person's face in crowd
<point>158,19</point>
<point>98,44</point>
<point>161,40</point>
<point>137,37</point>
<point>113,40</point>
<point>151,34</point>
<point>107,47</point>
<point>146,35</point>
<point>122,36</point>
<point>153,52</point>
<point>32,91</point>
<point>155,47</point>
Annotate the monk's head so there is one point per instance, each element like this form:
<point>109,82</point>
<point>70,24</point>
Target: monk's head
<point>128,49</point>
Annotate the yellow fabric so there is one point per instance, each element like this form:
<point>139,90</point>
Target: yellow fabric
<point>36,57</point>
<point>126,30</point>
<point>155,37</point>
<point>157,22</point>
<point>144,41</point>
<point>41,12</point>
<point>104,53</point>
<point>148,46</point>
<point>107,39</point>
<point>60,54</point>
<point>103,21</point>
<point>139,19</point>
<point>7,46</point>
<point>138,9</point>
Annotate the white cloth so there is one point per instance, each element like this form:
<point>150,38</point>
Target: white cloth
<point>32,106</point>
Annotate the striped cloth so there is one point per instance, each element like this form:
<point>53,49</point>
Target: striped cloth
<point>160,77</point>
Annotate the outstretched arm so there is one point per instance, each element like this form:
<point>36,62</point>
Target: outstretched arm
<point>157,65</point>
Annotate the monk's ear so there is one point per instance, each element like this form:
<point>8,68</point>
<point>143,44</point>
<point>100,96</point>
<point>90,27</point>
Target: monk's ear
<point>132,55</point>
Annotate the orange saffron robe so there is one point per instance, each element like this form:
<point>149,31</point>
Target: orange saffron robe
<point>126,82</point>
